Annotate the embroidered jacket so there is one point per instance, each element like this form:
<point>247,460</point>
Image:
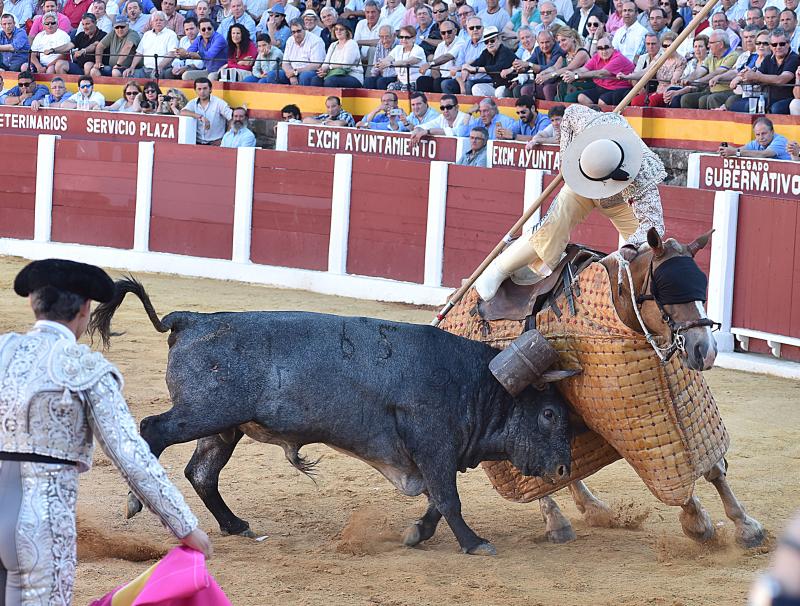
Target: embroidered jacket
<point>56,394</point>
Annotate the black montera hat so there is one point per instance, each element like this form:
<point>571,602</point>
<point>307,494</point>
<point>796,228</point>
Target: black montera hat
<point>80,278</point>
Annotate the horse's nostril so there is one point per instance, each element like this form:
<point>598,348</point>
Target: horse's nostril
<point>699,352</point>
<point>561,472</point>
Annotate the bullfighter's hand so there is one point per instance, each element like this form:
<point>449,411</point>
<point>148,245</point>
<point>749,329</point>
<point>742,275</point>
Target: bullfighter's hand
<point>199,541</point>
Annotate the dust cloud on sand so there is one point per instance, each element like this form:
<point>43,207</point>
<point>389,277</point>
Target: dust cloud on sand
<point>337,542</point>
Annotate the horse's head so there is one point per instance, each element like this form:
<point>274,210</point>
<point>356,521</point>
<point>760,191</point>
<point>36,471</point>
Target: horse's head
<point>670,291</point>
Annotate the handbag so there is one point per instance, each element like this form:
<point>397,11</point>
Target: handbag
<point>337,71</point>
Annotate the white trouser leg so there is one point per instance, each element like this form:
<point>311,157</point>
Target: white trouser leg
<point>43,533</point>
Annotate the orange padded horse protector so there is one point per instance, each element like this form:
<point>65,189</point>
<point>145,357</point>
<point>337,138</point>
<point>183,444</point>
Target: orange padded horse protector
<point>662,419</point>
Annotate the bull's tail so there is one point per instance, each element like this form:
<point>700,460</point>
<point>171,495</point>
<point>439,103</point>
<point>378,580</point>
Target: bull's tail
<point>100,322</point>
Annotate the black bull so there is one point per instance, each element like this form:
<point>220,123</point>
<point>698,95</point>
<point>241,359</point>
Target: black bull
<point>416,403</point>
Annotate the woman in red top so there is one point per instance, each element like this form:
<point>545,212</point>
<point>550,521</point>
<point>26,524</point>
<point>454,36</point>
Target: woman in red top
<point>242,53</point>
<point>602,69</point>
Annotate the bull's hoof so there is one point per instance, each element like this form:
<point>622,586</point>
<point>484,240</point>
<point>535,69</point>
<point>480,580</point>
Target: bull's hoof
<point>245,532</point>
<point>412,536</point>
<point>133,506</point>
<point>485,549</point>
<point>750,533</point>
<point>564,534</point>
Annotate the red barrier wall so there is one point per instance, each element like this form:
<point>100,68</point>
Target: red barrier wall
<point>94,192</point>
<point>388,215</point>
<point>193,192</point>
<point>17,186</point>
<point>689,213</point>
<point>470,234</point>
<point>292,209</point>
<point>766,287</point>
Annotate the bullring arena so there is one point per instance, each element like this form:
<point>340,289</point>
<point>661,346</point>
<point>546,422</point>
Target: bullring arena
<point>314,225</point>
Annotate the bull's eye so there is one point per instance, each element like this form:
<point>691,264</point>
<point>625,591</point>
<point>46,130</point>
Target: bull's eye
<point>548,414</point>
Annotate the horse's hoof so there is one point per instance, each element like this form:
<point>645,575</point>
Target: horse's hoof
<point>750,533</point>
<point>697,527</point>
<point>565,534</point>
<point>485,548</point>
<point>412,536</point>
<point>133,506</point>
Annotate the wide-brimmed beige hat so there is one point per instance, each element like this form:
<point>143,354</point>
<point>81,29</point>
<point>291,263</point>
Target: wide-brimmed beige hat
<point>602,160</point>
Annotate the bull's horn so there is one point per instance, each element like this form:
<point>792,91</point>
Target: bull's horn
<point>551,376</point>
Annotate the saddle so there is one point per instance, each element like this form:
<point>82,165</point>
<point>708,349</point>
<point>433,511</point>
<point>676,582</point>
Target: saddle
<point>519,302</point>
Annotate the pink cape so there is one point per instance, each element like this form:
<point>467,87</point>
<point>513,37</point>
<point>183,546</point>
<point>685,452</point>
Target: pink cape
<point>179,579</point>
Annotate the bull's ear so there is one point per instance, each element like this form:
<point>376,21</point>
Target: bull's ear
<point>655,242</point>
<point>551,376</point>
<point>699,243</point>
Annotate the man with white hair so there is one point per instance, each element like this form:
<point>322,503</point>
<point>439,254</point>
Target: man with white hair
<point>238,15</point>
<point>159,43</point>
<point>393,13</point>
<point>550,21</point>
<point>720,60</point>
<point>605,166</point>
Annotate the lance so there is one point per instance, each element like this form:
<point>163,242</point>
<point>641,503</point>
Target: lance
<point>515,229</point>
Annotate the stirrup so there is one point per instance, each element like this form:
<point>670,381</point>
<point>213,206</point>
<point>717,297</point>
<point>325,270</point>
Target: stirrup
<point>525,276</point>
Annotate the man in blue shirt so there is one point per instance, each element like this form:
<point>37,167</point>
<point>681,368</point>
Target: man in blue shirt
<point>25,92</point>
<point>239,135</point>
<point>476,154</point>
<point>238,15</point>
<point>530,121</point>
<point>209,46</point>
<point>767,144</point>
<point>14,45</point>
<point>489,118</point>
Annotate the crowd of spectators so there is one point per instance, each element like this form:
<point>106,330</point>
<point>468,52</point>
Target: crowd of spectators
<point>743,58</point>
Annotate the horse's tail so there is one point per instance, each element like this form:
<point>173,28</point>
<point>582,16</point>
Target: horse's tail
<point>100,321</point>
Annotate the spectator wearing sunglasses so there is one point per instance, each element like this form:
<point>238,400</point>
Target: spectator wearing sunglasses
<point>587,11</point>
<point>452,82</point>
<point>25,92</point>
<point>433,72</point>
<point>14,45</point>
<point>749,57</point>
<point>603,69</point>
<point>129,102</point>
<point>446,123</point>
<point>668,75</point>
<point>114,53</point>
<point>775,72</point>
<point>49,48</point>
<point>210,47</point>
<point>58,93</point>
<point>378,118</point>
<point>673,17</point>
<point>86,98</point>
<point>530,122</point>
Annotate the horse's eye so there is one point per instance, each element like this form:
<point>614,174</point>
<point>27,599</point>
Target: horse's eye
<point>548,414</point>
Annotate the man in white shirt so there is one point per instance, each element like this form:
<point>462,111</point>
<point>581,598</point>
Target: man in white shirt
<point>212,114</point>
<point>445,123</point>
<point>49,48</point>
<point>161,42</point>
<point>304,53</point>
<point>86,98</point>
<point>448,50</point>
<point>367,30</point>
<point>21,9</point>
<point>629,39</point>
<point>393,13</point>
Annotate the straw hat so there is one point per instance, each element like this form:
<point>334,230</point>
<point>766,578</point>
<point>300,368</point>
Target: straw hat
<point>602,160</point>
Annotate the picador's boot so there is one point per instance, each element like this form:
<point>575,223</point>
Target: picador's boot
<point>513,261</point>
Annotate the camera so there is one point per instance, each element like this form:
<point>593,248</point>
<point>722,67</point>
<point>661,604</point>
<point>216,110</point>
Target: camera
<point>396,112</point>
<point>168,98</point>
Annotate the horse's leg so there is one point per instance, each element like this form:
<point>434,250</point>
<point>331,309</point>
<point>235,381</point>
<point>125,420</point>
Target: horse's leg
<point>695,521</point>
<point>595,512</point>
<point>557,527</point>
<point>749,532</point>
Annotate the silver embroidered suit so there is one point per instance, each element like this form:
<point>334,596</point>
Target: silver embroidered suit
<point>55,396</point>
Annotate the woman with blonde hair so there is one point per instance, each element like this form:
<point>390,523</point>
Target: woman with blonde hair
<point>172,103</point>
<point>129,101</point>
<point>575,57</point>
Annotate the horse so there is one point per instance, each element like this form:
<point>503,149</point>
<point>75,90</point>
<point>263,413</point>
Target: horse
<point>642,300</point>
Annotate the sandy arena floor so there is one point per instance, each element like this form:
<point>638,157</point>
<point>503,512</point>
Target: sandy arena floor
<point>338,542</point>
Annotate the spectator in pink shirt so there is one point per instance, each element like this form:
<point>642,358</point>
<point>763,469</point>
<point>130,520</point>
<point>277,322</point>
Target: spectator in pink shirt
<point>75,10</point>
<point>615,18</point>
<point>49,6</point>
<point>603,69</point>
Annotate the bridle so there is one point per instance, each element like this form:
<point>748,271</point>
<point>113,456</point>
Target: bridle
<point>677,342</point>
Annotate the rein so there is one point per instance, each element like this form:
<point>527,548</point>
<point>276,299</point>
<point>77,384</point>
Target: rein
<point>677,339</point>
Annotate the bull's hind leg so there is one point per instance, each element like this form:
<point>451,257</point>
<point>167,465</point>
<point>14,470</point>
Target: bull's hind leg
<point>210,456</point>
<point>424,528</point>
<point>595,512</point>
<point>557,527</point>
<point>749,532</point>
<point>695,522</point>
